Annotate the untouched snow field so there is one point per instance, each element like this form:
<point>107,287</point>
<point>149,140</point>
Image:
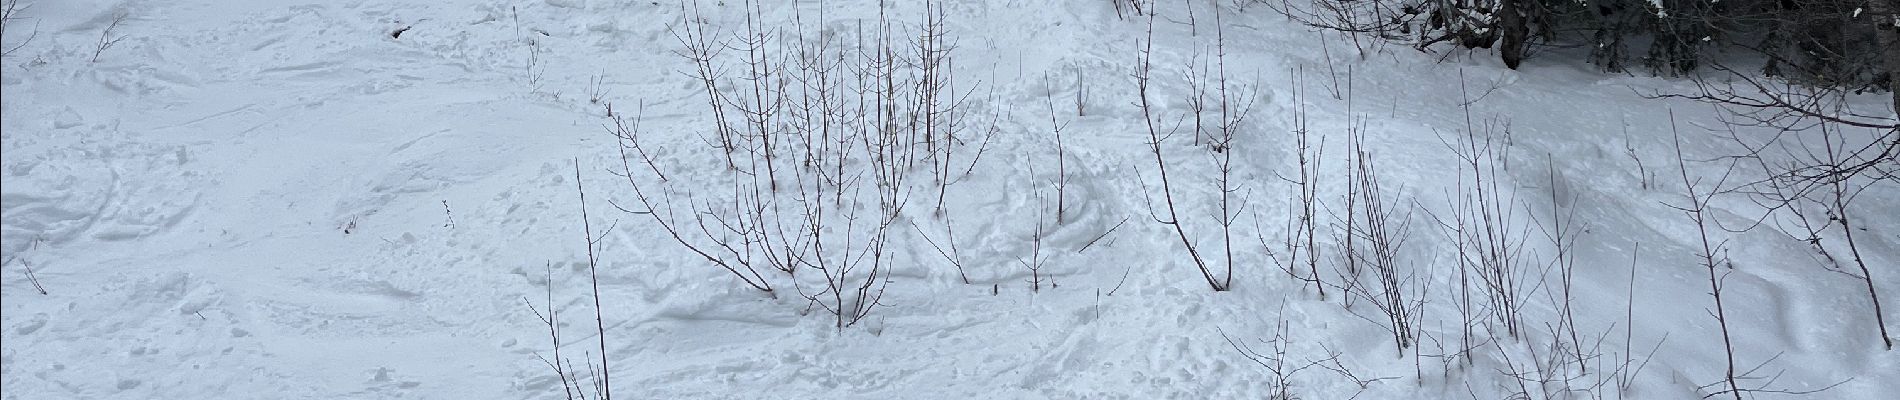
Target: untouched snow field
<point>279,200</point>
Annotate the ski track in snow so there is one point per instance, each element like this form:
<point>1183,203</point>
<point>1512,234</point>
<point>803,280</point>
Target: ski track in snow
<point>277,199</point>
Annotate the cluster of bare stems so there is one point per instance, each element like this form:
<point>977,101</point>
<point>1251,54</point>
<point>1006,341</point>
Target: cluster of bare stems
<point>1229,107</point>
<point>820,134</point>
<point>1370,232</point>
<point>1300,245</point>
<point>1837,154</point>
<point>1274,355</point>
<point>1565,360</point>
<point>1488,236</point>
<point>1377,227</point>
<point>1489,229</point>
<point>1497,277</point>
<point>1479,222</point>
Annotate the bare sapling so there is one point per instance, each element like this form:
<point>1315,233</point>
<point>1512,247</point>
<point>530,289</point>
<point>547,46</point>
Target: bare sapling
<point>1627,367</point>
<point>596,90</point>
<point>814,70</point>
<point>563,367</point>
<point>1061,182</point>
<point>820,133</point>
<point>1234,105</point>
<point>1697,204</point>
<point>593,282</point>
<point>1646,179</point>
<point>1457,231</point>
<point>1698,196</point>
<point>570,382</point>
<point>1547,370</point>
<point>1493,281</point>
<point>1081,93</point>
<point>934,93</point>
<point>1348,267</point>
<point>1838,196</point>
<point>1035,261</point>
<point>534,70</point>
<point>1143,75</point>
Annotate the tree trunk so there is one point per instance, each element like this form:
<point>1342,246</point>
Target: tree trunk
<point>1516,32</point>
<point>1886,14</point>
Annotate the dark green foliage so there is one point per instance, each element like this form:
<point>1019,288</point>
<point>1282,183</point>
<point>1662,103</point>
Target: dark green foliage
<point>1681,29</point>
<point>1822,42</point>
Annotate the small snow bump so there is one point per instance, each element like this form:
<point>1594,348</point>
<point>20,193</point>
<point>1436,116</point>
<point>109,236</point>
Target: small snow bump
<point>68,119</point>
<point>38,321</point>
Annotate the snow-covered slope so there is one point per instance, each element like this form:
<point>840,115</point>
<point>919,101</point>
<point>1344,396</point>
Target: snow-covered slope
<point>278,199</point>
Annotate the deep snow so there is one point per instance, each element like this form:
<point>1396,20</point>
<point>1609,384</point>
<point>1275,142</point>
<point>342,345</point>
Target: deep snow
<point>277,199</point>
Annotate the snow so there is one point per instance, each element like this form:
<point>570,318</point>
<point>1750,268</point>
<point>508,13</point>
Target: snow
<point>278,199</point>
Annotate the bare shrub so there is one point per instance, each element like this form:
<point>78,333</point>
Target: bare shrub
<point>1275,355</point>
<point>820,135</point>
